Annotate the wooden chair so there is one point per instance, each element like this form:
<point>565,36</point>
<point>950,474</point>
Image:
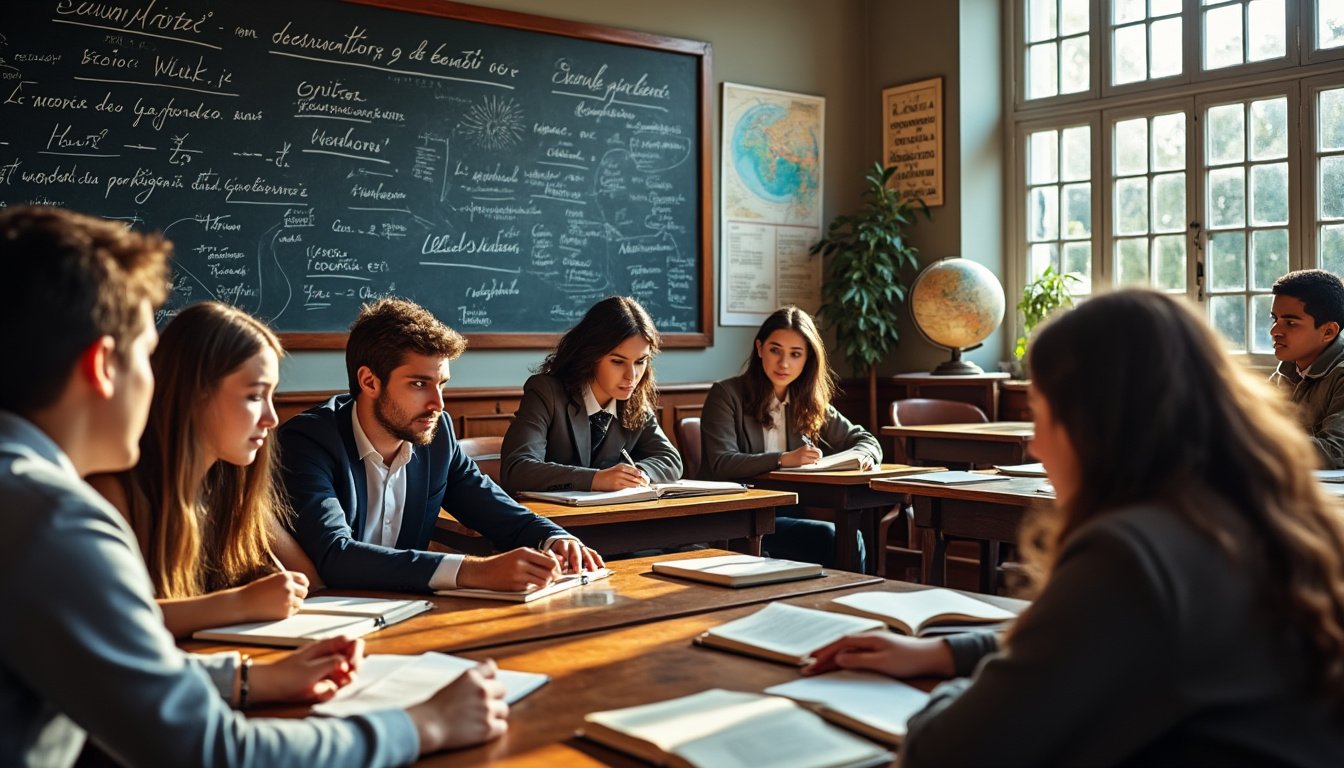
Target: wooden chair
<point>485,451</point>
<point>919,411</point>
<point>688,440</point>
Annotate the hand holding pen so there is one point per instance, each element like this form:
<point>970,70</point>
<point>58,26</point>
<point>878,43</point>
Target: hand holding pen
<point>619,476</point>
<point>625,457</point>
<point>807,454</point>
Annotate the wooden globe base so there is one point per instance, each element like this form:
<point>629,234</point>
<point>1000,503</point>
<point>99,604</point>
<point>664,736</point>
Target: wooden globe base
<point>956,366</point>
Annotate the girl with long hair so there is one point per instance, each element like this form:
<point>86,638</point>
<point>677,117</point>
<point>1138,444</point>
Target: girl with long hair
<point>204,500</point>
<point>778,414</point>
<point>589,406</point>
<point>1189,577</point>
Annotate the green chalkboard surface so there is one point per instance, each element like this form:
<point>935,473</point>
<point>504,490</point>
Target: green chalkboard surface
<point>305,156</point>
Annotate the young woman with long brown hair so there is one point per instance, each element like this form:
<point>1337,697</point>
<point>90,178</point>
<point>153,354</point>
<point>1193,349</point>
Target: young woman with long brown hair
<point>1190,575</point>
<point>778,414</point>
<point>203,499</point>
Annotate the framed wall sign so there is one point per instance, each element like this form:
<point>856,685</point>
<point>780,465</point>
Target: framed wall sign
<point>912,138</point>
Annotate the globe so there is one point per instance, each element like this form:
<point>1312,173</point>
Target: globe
<point>957,303</point>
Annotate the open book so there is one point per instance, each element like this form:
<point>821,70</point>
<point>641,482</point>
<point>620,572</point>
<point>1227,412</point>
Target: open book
<point>730,729</point>
<point>784,633</point>
<point>918,613</point>
<point>563,584</point>
<point>320,618</point>
<point>738,570</point>
<point>952,477</point>
<point>847,459</point>
<point>871,704</point>
<point>397,682</point>
<point>1021,470</point>
<point>642,493</point>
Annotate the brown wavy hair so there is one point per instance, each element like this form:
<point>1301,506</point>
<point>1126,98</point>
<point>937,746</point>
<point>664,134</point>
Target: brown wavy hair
<point>604,327</point>
<point>217,535</point>
<point>389,329</point>
<point>810,394</point>
<point>1191,424</point>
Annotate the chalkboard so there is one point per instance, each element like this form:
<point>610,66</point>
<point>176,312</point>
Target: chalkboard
<point>305,156</point>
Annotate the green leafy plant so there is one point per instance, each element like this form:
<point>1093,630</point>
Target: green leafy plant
<point>866,279</point>
<point>1040,298</point>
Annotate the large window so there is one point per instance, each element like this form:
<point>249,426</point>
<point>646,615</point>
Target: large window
<point>1194,146</point>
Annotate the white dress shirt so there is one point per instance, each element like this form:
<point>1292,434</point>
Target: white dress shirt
<point>775,441</point>
<point>590,402</point>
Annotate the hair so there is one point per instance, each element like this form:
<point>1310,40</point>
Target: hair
<point>1321,294</point>
<point>215,535</point>
<point>605,326</point>
<point>389,329</point>
<point>76,279</point>
<point>809,394</point>
<point>1213,432</point>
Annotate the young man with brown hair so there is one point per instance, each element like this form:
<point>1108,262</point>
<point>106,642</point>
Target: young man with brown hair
<point>1308,313</point>
<point>368,472</point>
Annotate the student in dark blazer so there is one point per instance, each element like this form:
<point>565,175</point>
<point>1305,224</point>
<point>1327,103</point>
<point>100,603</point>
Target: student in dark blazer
<point>1190,575</point>
<point>368,472</point>
<point>778,414</point>
<point>591,400</point>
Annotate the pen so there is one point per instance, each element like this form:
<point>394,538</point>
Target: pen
<point>808,442</point>
<point>625,456</point>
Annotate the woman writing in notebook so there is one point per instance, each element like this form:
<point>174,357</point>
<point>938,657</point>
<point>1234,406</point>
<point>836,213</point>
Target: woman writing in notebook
<point>1191,572</point>
<point>203,499</point>
<point>586,420</point>
<point>777,415</point>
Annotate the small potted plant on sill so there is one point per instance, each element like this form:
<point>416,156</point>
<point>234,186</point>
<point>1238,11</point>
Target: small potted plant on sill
<point>1040,298</point>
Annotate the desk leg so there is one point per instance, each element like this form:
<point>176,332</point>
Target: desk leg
<point>938,559</point>
<point>846,553</point>
<point>989,567</point>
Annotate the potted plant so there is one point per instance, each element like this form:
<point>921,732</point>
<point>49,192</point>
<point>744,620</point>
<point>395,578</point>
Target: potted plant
<point>865,281</point>
<point>1041,297</point>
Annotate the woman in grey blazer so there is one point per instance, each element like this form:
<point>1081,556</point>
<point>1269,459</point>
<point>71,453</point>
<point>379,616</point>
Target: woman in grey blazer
<point>589,407</point>
<point>779,414</point>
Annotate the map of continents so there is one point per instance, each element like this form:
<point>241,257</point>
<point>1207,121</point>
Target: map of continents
<point>775,158</point>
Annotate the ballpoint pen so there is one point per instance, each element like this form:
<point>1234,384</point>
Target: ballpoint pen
<point>625,456</point>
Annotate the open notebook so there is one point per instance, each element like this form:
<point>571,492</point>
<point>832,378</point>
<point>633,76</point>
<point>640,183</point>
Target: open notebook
<point>563,584</point>
<point>784,633</point>
<point>871,704</point>
<point>652,492</point>
<point>847,459</point>
<point>320,618</point>
<point>921,612</point>
<point>397,682</point>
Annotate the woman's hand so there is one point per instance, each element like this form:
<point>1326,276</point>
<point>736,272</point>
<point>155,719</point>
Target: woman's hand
<point>620,476</point>
<point>311,674</point>
<point>467,711</point>
<point>807,454</point>
<point>891,654</point>
<point>272,597</point>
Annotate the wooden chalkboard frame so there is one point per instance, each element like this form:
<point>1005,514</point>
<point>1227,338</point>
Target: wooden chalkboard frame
<point>551,26</point>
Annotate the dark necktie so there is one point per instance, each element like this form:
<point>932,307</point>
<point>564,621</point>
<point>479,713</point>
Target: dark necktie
<point>598,423</point>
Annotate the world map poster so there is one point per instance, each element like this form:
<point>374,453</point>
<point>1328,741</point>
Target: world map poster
<point>770,207</point>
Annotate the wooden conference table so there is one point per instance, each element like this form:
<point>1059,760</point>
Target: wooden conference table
<point>616,528</point>
<point>994,442</point>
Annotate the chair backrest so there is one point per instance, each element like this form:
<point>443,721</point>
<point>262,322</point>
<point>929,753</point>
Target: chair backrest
<point>485,451</point>
<point>688,441</point>
<point>918,411</point>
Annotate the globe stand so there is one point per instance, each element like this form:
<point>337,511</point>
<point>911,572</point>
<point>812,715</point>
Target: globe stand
<point>956,366</point>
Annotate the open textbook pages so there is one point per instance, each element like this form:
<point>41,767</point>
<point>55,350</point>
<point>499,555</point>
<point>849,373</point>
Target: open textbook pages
<point>871,704</point>
<point>679,489</point>
<point>1021,470</point>
<point>785,633</point>
<point>397,682</point>
<point>563,584</point>
<point>847,459</point>
<point>320,618</point>
<point>916,613</point>
<point>738,570</point>
<point>731,729</point>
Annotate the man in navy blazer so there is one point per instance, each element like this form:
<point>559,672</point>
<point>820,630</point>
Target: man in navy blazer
<point>368,472</point>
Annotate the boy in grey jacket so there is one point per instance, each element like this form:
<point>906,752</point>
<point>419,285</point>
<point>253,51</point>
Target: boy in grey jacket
<point>1308,312</point>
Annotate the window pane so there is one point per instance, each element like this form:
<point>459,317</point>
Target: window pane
<point>1131,147</point>
<point>1169,263</point>
<point>1227,261</point>
<point>1077,153</point>
<point>1169,202</point>
<point>1222,37</point>
<point>1128,10</point>
<point>1074,64</point>
<point>1043,213</point>
<point>1040,20</point>
<point>1078,260</point>
<point>1329,23</point>
<point>1131,206</point>
<point>1227,135</point>
<point>1269,257</point>
<point>1166,47</point>
<point>1077,211</point>
<point>1131,262</point>
<point>1043,255</point>
<point>1164,7</point>
<point>1332,248</point>
<point>1044,157</point>
<point>1228,314</point>
<point>1073,17</point>
<point>1131,54</point>
<point>1269,194</point>
<point>1332,187</point>
<point>1330,120</point>
<point>1260,341</point>
<point>1227,197</point>
<point>1041,74</point>
<point>1169,142</point>
<point>1269,129</point>
<point>1267,28</point>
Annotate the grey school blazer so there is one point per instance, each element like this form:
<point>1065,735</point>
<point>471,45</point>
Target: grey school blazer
<point>732,441</point>
<point>549,445</point>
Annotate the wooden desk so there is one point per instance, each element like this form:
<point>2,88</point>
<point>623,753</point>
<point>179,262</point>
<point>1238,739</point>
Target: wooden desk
<point>632,595</point>
<point>988,512</point>
<point>995,442</point>
<point>616,528</point>
<point>857,506</point>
